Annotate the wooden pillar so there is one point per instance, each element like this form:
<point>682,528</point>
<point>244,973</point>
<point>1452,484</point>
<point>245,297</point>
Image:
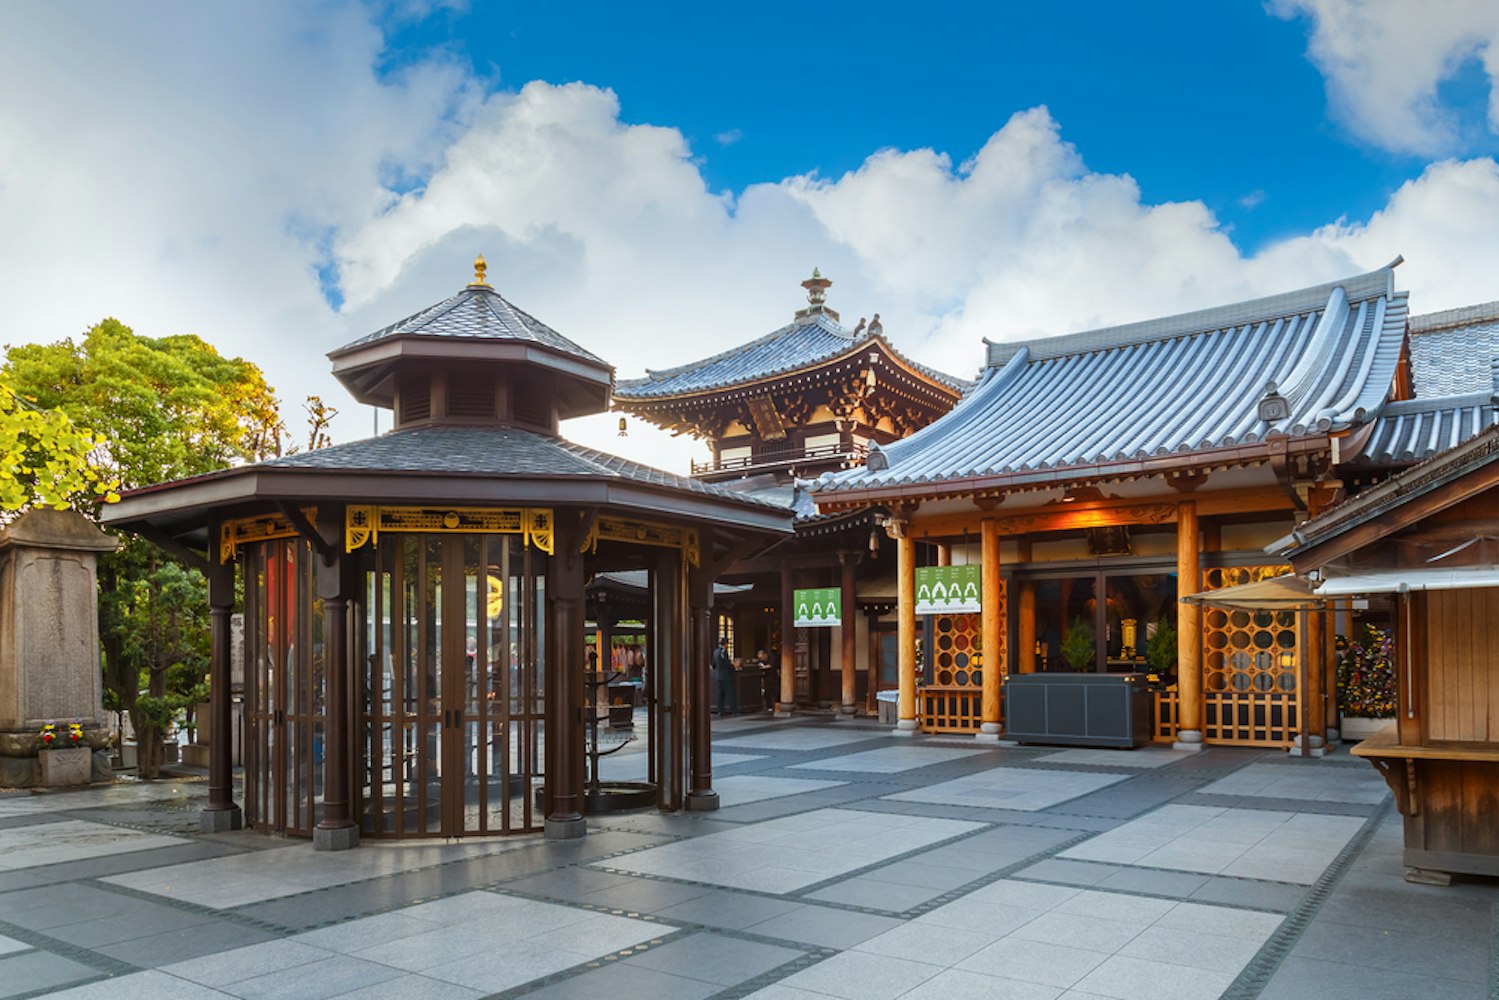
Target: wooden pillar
<point>221,813</point>
<point>699,582</point>
<point>1313,711</point>
<point>944,554</point>
<point>905,563</point>
<point>564,681</point>
<point>788,643</point>
<point>1027,651</point>
<point>336,831</point>
<point>1188,632</point>
<point>847,561</point>
<point>1332,721</point>
<point>991,632</point>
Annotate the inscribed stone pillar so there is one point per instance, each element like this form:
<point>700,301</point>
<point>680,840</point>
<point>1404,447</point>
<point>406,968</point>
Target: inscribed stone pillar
<point>991,633</point>
<point>1188,632</point>
<point>49,637</point>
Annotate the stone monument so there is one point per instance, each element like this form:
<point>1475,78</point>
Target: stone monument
<point>49,642</point>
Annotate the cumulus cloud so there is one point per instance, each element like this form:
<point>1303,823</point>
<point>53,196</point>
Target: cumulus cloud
<point>186,195</point>
<point>1385,60</point>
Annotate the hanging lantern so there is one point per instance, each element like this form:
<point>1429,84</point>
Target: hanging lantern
<point>623,430</point>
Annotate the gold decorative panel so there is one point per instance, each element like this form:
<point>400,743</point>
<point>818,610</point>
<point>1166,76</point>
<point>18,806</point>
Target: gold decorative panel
<point>363,524</point>
<point>619,529</point>
<point>233,534</point>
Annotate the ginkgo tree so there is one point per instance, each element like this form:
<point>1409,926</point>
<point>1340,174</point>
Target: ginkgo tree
<point>154,409</point>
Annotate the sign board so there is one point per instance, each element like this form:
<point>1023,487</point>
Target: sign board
<point>943,590</point>
<point>820,607</point>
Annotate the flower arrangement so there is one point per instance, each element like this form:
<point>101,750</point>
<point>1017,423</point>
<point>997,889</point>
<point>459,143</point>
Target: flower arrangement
<point>51,738</point>
<point>1366,674</point>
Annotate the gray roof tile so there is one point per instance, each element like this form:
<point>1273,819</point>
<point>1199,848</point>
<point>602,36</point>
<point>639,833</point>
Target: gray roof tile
<point>799,345</point>
<point>1169,386</point>
<point>1415,429</point>
<point>1453,352</point>
<point>478,312</point>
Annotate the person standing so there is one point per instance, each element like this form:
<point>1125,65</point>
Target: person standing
<point>723,670</point>
<point>770,688</point>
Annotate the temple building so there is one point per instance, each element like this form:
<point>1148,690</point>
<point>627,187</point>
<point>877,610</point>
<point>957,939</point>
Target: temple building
<point>1091,480</point>
<point>415,603</point>
<point>808,398</point>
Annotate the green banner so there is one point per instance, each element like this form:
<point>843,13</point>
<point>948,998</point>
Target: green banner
<point>819,607</point>
<point>944,590</point>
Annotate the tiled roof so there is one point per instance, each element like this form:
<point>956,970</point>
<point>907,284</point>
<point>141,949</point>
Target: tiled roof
<point>1165,387</point>
<point>1454,352</point>
<point>1416,429</point>
<point>499,452</point>
<point>802,344</point>
<point>477,313</point>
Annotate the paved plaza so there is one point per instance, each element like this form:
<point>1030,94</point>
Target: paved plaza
<point>845,862</point>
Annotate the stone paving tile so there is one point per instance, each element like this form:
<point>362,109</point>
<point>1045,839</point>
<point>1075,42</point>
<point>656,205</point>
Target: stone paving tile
<point>150,985</point>
<point>625,982</point>
<point>824,926</point>
<point>811,738</point>
<point>889,760</point>
<point>1299,978</point>
<point>1026,790</point>
<point>1144,757</point>
<point>728,909</point>
<point>71,840</point>
<point>188,942</point>
<point>1284,847</point>
<point>31,971</point>
<point>1296,781</point>
<point>742,789</point>
<point>713,958</point>
<point>875,895</point>
<point>863,976</point>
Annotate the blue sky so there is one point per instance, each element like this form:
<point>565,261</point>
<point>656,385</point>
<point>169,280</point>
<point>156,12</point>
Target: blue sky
<point>654,180</point>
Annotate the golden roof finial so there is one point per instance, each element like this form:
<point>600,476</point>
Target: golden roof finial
<point>479,268</point>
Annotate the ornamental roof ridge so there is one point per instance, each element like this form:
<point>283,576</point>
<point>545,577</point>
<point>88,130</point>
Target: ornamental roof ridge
<point>1216,319</point>
<point>1461,316</point>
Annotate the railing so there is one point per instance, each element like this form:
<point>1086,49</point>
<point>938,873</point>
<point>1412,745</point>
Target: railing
<point>950,710</point>
<point>1234,718</point>
<point>774,453</point>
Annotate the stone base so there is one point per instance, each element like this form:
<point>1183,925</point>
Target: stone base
<point>65,766</point>
<point>103,770</point>
<point>564,829</point>
<point>1427,876</point>
<point>848,711</point>
<point>222,820</point>
<point>904,727</point>
<point>195,755</point>
<point>702,801</point>
<point>339,838</point>
<point>988,732</point>
<point>784,710</point>
<point>1188,739</point>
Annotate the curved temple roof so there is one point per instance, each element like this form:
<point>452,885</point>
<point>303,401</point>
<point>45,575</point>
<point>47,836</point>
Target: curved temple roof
<point>801,344</point>
<point>1109,400</point>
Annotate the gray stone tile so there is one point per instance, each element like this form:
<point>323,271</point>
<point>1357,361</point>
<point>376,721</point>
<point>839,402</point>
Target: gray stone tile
<point>713,958</point>
<point>729,910</point>
<point>568,883</point>
<point>1258,895</point>
<point>623,982</point>
<point>246,963</point>
<point>1142,979</point>
<point>186,943</point>
<point>330,977</point>
<point>866,891</point>
<point>149,985</point>
<point>1408,951</point>
<point>645,895</point>
<point>1299,978</point>
<point>1068,872</point>
<point>824,926</point>
<point>1179,885</point>
<point>861,976</point>
<point>956,984</point>
<point>32,971</point>
<point>410,987</point>
<point>144,920</point>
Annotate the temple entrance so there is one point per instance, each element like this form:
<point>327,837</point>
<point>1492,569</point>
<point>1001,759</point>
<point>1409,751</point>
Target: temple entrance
<point>453,706</point>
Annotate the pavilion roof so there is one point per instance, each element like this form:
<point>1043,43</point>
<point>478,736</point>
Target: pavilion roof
<point>805,343</point>
<point>1453,352</point>
<point>476,313</point>
<point>1134,399</point>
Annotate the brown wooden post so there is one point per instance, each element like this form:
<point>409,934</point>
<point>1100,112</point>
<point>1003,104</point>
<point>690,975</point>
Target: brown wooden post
<point>944,554</point>
<point>905,563</point>
<point>1332,720</point>
<point>990,632</point>
<point>788,643</point>
<point>699,582</point>
<point>1026,658</point>
<point>1314,713</point>
<point>848,561</point>
<point>1188,631</point>
<point>337,830</point>
<point>221,813</point>
<point>564,678</point>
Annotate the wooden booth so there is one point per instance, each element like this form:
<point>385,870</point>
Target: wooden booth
<point>1427,542</point>
<point>415,645</point>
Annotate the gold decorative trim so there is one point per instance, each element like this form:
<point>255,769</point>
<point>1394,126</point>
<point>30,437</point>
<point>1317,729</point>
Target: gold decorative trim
<point>241,530</point>
<point>364,524</point>
<point>619,529</point>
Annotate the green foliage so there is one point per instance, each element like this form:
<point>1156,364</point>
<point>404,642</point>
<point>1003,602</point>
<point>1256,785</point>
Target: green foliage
<point>159,409</point>
<point>45,459</point>
<point>1078,647</point>
<point>1160,652</point>
<point>1367,684</point>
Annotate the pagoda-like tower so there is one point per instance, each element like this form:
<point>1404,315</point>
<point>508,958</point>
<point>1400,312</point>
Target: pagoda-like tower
<point>802,400</point>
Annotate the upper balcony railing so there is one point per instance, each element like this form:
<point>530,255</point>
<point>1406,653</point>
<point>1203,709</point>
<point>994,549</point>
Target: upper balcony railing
<point>779,453</point>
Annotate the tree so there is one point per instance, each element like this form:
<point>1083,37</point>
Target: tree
<point>159,409</point>
<point>45,459</point>
<point>1078,648</point>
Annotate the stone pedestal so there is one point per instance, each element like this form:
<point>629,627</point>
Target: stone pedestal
<point>49,636</point>
<point>66,766</point>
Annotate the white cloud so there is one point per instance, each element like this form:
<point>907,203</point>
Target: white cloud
<point>181,193</point>
<point>1384,61</point>
<point>728,137</point>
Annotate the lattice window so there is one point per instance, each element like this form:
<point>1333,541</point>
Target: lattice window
<point>959,659</point>
<point>1247,652</point>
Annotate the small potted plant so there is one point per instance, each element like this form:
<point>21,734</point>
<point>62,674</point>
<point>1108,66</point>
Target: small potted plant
<point>63,755</point>
<point>1366,682</point>
<point>1160,651</point>
<point>1078,647</point>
